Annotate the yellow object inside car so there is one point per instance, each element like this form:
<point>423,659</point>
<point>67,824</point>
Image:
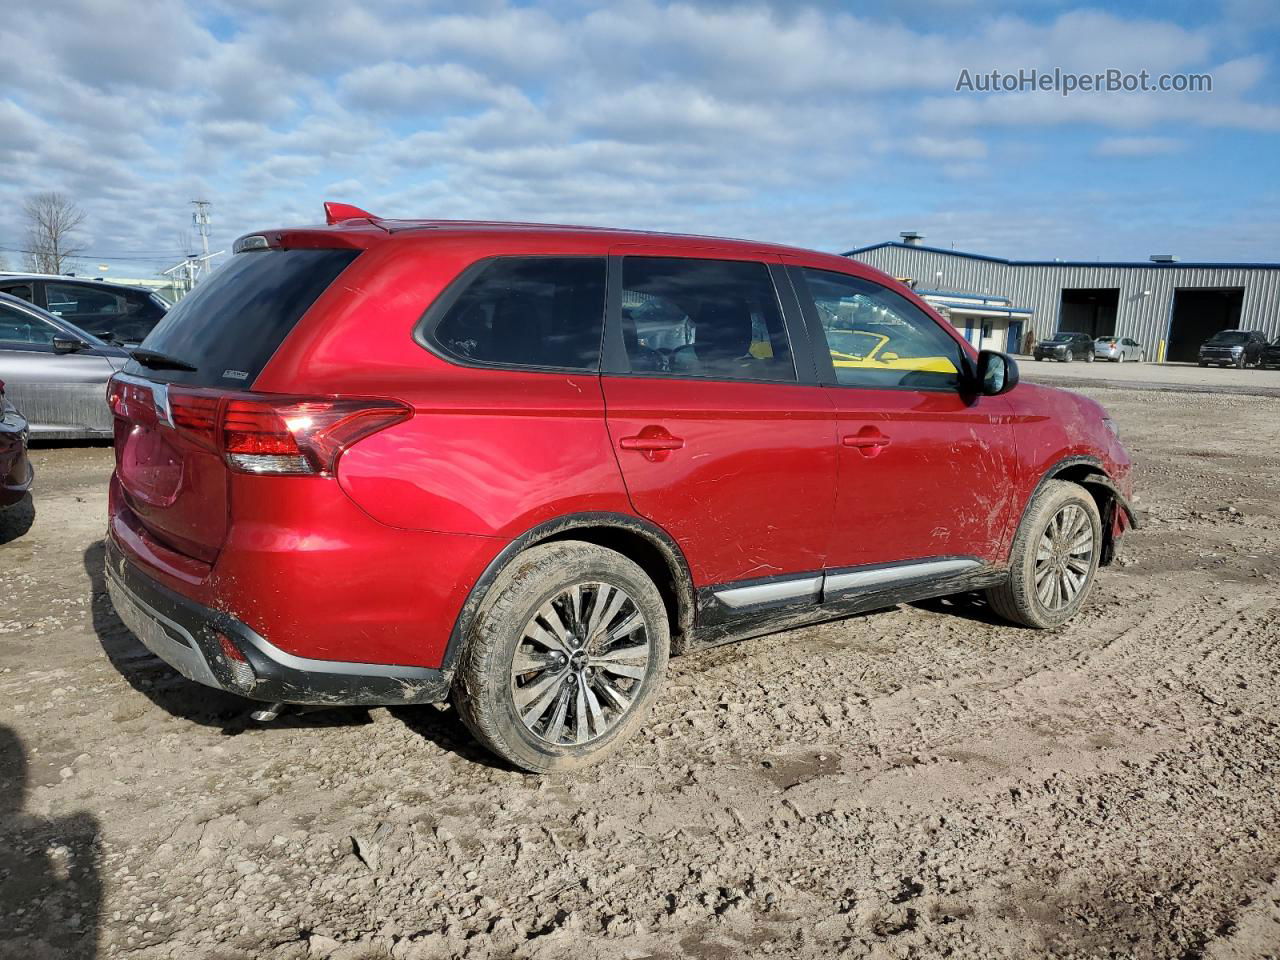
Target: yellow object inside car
<point>861,348</point>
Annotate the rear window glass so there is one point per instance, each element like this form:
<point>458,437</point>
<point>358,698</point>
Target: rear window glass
<point>231,324</point>
<point>528,312</point>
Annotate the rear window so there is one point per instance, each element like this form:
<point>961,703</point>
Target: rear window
<point>231,324</point>
<point>526,312</point>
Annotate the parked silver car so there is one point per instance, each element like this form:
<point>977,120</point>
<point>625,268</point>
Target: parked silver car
<point>1119,349</point>
<point>55,373</point>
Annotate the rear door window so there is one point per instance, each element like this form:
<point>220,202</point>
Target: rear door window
<point>231,324</point>
<point>717,319</point>
<point>544,312</point>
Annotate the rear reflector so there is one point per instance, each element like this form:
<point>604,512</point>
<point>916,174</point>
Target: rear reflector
<point>237,662</point>
<point>258,432</point>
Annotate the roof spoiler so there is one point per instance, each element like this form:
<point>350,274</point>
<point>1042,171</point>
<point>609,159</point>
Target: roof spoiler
<point>337,212</point>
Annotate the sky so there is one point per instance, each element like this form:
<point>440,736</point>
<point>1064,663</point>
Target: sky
<point>825,125</point>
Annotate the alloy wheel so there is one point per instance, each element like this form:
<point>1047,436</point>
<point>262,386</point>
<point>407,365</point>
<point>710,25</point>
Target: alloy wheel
<point>1064,557</point>
<point>579,664</point>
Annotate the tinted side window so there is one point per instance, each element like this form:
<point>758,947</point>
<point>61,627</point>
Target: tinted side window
<point>703,318</point>
<point>21,290</point>
<point>529,312</point>
<point>66,299</point>
<point>19,327</point>
<point>879,338</point>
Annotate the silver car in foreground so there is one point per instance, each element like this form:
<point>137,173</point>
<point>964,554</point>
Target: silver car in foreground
<point>55,373</point>
<point>1118,349</point>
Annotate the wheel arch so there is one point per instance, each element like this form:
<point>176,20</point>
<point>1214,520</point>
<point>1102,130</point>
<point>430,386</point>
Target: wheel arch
<point>639,540</point>
<point>1088,472</point>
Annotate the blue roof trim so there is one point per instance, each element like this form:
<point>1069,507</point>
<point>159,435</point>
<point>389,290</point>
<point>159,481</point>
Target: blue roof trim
<point>1132,264</point>
<point>989,297</point>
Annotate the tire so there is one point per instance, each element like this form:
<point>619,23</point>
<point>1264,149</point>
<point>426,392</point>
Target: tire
<point>1068,357</point>
<point>1017,600</point>
<point>1120,359</point>
<point>1204,363</point>
<point>1089,357</point>
<point>512,619</point>
<point>1241,363</point>
<point>1142,357</point>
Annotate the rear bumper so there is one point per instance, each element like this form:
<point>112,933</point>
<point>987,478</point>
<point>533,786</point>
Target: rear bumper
<point>190,638</point>
<point>16,472</point>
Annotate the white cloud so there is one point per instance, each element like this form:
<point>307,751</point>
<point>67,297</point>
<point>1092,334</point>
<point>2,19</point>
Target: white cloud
<point>794,122</point>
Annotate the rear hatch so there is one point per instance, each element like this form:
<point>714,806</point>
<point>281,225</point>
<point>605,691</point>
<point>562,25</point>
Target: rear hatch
<point>170,405</point>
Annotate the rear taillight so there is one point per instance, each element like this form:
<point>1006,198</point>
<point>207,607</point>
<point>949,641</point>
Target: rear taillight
<point>295,435</point>
<point>257,432</point>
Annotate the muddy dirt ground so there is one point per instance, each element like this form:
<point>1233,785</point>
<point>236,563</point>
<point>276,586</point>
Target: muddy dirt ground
<point>919,782</point>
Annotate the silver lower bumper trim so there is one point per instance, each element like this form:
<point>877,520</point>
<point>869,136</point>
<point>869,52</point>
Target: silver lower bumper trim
<point>169,641</point>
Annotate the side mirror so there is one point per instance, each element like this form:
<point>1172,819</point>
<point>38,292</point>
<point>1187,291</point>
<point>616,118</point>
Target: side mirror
<point>997,373</point>
<point>68,345</point>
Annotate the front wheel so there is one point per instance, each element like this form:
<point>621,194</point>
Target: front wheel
<point>566,659</point>
<point>1089,357</point>
<point>1054,559</point>
<point>1241,362</point>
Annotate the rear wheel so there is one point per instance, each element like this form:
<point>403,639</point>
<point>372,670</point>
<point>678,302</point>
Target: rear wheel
<point>1120,359</point>
<point>1089,357</point>
<point>569,650</point>
<point>1054,558</point>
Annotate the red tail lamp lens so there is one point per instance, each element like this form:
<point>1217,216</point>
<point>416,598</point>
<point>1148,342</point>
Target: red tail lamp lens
<point>300,436</point>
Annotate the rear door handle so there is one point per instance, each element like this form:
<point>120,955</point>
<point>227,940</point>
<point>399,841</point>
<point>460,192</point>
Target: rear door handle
<point>653,442</point>
<point>869,441</point>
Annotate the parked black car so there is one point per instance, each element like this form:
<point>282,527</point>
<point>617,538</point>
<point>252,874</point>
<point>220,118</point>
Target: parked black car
<point>110,311</point>
<point>1271,355</point>
<point>15,470</point>
<point>1065,346</point>
<point>1234,348</point>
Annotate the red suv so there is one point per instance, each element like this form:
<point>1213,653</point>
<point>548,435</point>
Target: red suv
<point>387,462</point>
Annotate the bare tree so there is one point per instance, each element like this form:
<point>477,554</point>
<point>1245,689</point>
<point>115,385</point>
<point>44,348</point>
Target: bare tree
<point>52,219</point>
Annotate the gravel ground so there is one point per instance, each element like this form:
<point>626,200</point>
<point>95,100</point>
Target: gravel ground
<point>917,782</point>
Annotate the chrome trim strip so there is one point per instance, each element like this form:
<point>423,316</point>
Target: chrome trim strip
<point>344,667</point>
<point>804,588</point>
<point>159,395</point>
<point>881,576</point>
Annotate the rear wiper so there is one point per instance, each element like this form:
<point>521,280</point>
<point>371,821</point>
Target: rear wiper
<point>160,361</point>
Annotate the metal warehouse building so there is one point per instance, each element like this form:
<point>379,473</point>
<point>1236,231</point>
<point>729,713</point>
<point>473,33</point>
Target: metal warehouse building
<point>1167,306</point>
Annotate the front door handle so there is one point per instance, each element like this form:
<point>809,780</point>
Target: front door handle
<point>868,441</point>
<point>654,442</point>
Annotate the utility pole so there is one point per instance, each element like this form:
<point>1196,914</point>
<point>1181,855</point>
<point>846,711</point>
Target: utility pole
<point>200,217</point>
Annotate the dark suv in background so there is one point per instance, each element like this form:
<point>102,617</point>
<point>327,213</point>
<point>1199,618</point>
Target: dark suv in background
<point>1065,346</point>
<point>1271,355</point>
<point>1235,348</point>
<point>110,311</point>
